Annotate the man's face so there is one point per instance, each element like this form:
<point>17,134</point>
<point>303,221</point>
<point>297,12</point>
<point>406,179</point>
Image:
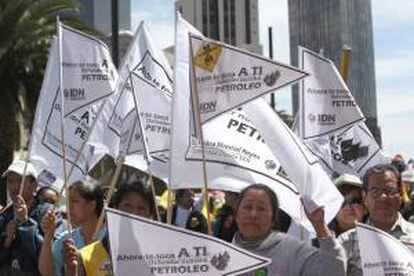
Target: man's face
<point>14,181</point>
<point>383,198</point>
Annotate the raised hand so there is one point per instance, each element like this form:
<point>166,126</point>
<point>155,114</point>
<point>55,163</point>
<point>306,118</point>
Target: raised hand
<point>20,210</point>
<point>317,218</point>
<point>49,224</point>
<point>70,257</point>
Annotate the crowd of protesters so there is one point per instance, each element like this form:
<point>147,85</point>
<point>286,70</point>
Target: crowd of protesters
<point>35,238</point>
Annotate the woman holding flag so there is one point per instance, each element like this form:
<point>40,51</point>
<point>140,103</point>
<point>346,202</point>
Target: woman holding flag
<point>131,197</point>
<point>256,217</point>
<point>86,203</point>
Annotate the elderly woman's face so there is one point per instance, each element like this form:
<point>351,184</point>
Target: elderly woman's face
<point>255,215</point>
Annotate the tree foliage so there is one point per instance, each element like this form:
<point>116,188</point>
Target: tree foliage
<point>27,28</point>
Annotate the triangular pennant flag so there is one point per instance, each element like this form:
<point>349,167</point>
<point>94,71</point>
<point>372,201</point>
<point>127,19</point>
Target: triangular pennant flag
<point>88,78</point>
<point>315,186</point>
<point>325,101</point>
<point>330,121</point>
<point>145,87</point>
<point>144,247</point>
<point>227,77</point>
<point>236,153</point>
<point>351,150</point>
<point>382,254</point>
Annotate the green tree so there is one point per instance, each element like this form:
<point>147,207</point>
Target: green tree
<point>26,31</point>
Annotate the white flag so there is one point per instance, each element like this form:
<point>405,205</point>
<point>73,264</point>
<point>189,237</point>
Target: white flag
<point>330,121</point>
<point>236,154</point>
<point>145,247</point>
<point>146,73</point>
<point>326,102</point>
<point>88,77</point>
<point>227,77</point>
<point>301,165</point>
<point>382,254</point>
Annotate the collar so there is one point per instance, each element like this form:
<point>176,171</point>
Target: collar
<point>400,224</point>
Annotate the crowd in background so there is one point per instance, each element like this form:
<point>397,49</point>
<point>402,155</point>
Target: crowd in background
<point>35,240</point>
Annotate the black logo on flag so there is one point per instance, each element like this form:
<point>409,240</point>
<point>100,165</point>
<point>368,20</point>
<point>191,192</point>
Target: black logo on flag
<point>221,260</point>
<point>348,150</point>
<point>272,78</point>
<point>270,164</point>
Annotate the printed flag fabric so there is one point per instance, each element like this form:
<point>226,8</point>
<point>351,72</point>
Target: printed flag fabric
<point>382,254</point>
<point>88,79</point>
<point>143,100</point>
<point>330,122</point>
<point>236,153</point>
<point>141,246</point>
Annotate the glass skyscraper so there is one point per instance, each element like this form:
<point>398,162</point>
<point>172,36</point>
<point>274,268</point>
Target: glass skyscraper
<point>328,25</point>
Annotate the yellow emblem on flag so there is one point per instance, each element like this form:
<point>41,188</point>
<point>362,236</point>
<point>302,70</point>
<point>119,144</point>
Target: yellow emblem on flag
<point>207,56</point>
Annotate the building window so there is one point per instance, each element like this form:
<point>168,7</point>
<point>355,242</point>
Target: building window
<point>232,22</point>
<point>205,17</point>
<point>248,23</point>
<point>226,21</point>
<point>214,20</point>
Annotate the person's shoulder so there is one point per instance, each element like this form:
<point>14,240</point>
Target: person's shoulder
<point>408,228</point>
<point>407,237</point>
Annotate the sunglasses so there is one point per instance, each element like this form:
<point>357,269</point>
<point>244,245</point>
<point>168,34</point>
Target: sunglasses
<point>352,201</point>
<point>390,191</point>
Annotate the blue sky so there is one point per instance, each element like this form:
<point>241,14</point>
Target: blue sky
<point>393,23</point>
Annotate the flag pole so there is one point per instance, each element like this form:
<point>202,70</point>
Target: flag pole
<point>170,194</point>
<point>62,125</point>
<point>26,161</point>
<point>144,141</point>
<point>272,95</point>
<point>119,162</point>
<point>170,191</point>
<point>345,62</point>
<point>203,154</point>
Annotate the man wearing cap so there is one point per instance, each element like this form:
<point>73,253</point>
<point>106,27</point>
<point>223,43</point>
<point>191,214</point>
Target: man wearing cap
<point>21,236</point>
<point>382,197</point>
<point>353,208</point>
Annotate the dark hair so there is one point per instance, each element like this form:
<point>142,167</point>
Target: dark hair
<point>140,187</point>
<point>180,193</point>
<point>273,198</point>
<point>380,169</point>
<point>90,190</point>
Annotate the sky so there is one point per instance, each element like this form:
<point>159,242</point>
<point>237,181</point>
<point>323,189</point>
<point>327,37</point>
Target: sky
<point>393,26</point>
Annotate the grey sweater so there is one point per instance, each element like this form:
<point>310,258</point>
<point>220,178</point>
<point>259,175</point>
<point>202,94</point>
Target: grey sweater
<point>292,257</point>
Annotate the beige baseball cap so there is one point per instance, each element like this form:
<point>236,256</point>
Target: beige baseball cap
<point>348,179</point>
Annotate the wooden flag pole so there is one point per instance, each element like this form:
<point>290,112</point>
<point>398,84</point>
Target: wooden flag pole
<point>144,141</point>
<point>119,162</point>
<point>62,125</point>
<point>345,62</point>
<point>26,161</point>
<point>203,154</point>
<point>151,179</point>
